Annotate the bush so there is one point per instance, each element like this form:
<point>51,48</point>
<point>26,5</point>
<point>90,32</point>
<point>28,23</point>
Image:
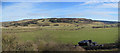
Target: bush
<point>56,24</point>
<point>9,42</point>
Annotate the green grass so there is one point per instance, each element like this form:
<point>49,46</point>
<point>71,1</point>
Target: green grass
<point>98,35</point>
<point>102,35</point>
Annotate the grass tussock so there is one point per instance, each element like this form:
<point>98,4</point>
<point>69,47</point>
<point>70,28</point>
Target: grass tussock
<point>12,43</point>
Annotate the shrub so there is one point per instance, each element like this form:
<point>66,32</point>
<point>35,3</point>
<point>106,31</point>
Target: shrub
<point>9,42</point>
<point>56,24</point>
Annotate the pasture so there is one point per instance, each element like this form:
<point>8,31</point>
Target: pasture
<point>64,34</point>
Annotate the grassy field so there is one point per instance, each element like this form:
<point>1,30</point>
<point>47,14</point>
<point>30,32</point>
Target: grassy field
<point>61,34</point>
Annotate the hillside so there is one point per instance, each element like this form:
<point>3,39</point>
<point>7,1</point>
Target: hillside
<point>55,33</point>
<point>52,22</point>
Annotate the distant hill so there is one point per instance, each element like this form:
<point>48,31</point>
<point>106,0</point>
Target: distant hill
<point>48,21</point>
<point>108,22</point>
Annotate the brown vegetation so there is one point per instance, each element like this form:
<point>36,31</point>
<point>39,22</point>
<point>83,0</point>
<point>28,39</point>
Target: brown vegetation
<point>12,43</point>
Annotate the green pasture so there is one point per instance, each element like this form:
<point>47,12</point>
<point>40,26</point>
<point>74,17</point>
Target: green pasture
<point>100,35</point>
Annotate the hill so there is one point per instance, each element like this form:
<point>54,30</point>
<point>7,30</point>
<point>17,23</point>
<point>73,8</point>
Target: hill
<point>53,21</point>
<point>108,22</point>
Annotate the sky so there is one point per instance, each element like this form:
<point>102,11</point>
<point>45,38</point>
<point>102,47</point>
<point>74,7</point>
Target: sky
<point>14,11</point>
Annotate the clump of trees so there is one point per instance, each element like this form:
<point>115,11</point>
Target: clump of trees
<point>68,20</point>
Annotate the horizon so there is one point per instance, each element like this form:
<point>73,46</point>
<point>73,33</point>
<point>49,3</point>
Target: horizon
<point>58,18</point>
<point>13,11</point>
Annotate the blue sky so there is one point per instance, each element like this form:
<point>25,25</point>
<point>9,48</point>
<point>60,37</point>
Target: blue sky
<point>13,11</point>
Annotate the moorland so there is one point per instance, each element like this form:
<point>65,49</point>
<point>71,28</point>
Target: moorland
<point>56,34</point>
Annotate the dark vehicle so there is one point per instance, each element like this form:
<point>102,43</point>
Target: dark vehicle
<point>88,43</point>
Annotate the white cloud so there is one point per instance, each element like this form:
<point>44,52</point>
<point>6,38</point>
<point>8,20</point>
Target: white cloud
<point>45,0</point>
<point>24,9</point>
<point>98,1</point>
<point>101,5</point>
<point>88,1</point>
<point>114,3</point>
<point>17,11</point>
<point>0,12</point>
<point>95,13</point>
<point>110,5</point>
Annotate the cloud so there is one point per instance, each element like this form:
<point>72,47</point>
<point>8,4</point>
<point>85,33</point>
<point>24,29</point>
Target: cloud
<point>95,11</point>
<point>0,12</point>
<point>98,1</point>
<point>109,5</point>
<point>17,11</point>
<point>94,15</point>
<point>102,5</point>
<point>45,0</point>
<point>23,10</point>
<point>87,1</point>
